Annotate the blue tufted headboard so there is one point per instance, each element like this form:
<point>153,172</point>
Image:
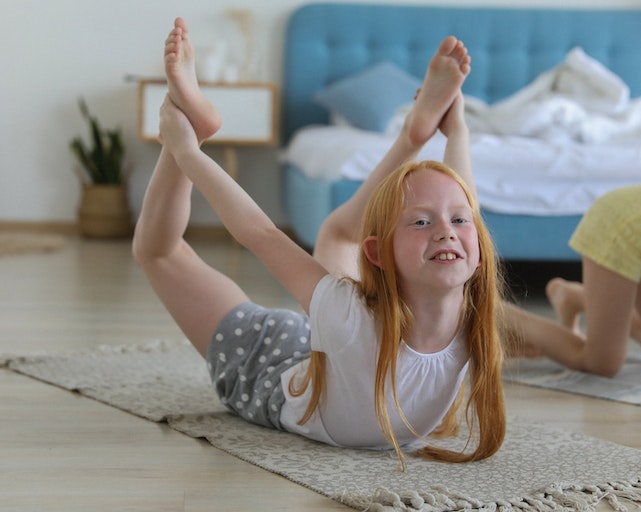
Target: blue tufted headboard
<point>509,46</point>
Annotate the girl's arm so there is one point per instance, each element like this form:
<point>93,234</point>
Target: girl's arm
<point>294,268</point>
<point>457,149</point>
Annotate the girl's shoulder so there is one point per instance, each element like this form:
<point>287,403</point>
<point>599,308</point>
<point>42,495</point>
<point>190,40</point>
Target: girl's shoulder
<point>337,312</point>
<point>341,290</point>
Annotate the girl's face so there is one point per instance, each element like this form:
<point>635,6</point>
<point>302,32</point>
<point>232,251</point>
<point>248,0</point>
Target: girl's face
<point>435,240</point>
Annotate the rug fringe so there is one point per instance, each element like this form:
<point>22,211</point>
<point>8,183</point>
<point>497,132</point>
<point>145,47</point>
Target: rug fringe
<point>557,497</point>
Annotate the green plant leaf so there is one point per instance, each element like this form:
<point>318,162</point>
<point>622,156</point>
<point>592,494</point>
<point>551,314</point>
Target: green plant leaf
<point>104,161</point>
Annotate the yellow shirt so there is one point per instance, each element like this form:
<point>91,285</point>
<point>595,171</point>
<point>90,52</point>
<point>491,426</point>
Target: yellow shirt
<point>610,232</point>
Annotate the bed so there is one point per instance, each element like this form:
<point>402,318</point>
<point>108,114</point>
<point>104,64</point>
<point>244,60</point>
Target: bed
<point>534,185</point>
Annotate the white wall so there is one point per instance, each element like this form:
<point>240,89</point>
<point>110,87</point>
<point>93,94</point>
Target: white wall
<point>55,51</point>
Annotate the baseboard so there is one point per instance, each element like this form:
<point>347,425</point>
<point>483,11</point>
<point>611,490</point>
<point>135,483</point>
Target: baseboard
<point>212,232</point>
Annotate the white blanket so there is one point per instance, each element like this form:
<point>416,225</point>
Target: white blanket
<point>550,149</point>
<point>513,174</point>
<point>578,100</point>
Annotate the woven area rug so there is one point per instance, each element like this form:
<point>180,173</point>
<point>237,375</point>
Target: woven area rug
<point>545,373</point>
<point>538,468</point>
<point>14,243</point>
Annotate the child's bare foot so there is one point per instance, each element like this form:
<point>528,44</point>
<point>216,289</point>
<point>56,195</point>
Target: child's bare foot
<point>180,67</point>
<point>566,299</point>
<point>445,75</point>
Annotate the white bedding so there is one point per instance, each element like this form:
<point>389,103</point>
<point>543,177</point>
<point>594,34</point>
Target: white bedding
<point>551,149</point>
<point>512,174</point>
<point>579,100</point>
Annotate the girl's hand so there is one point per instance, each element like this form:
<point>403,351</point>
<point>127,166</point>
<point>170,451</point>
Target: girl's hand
<point>454,118</point>
<point>176,132</point>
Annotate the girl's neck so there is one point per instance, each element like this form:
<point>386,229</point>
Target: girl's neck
<point>436,322</point>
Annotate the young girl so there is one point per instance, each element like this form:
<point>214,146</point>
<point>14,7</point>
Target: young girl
<point>609,241</point>
<point>394,317</point>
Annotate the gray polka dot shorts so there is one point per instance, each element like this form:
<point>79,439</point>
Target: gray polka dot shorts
<point>250,350</point>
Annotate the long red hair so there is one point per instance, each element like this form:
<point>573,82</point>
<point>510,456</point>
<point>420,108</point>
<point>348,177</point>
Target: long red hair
<point>485,409</point>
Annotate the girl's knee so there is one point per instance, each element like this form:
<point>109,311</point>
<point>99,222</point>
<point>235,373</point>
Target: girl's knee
<point>604,367</point>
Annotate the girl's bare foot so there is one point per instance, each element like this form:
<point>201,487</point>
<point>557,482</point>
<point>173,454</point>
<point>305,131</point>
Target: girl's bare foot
<point>567,300</point>
<point>180,67</point>
<point>445,75</point>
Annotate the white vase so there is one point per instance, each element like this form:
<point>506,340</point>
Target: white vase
<point>211,62</point>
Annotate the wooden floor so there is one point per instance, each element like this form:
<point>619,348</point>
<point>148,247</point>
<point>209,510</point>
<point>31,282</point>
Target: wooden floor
<point>63,452</point>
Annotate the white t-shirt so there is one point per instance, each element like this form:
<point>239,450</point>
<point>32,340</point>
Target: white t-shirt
<point>343,328</point>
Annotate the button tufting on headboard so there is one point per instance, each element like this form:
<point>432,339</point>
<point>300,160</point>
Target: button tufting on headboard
<point>509,47</point>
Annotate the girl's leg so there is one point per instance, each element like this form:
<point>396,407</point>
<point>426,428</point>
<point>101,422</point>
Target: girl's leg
<point>635,328</point>
<point>184,91</point>
<point>609,302</point>
<point>197,296</point>
<point>337,245</point>
<point>568,300</point>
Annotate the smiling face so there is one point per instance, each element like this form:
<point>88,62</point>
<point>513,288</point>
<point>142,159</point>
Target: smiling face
<point>435,240</point>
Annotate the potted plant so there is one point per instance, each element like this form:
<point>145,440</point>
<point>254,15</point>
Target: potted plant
<point>104,206</point>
